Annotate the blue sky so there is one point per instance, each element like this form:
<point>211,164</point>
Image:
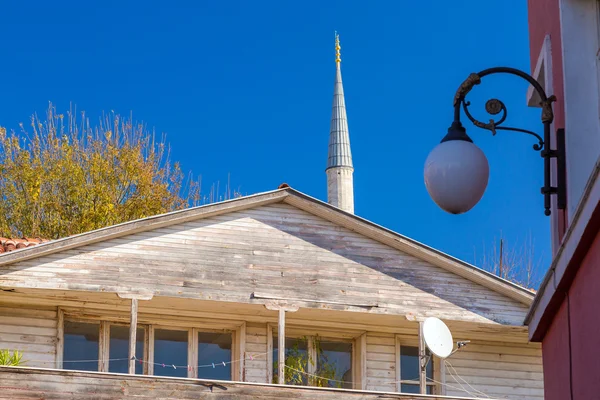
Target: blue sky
<point>245,88</point>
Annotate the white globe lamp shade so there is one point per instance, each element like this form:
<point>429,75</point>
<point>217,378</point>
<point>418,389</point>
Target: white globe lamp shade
<point>456,175</point>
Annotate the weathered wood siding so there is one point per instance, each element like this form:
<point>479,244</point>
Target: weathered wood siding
<point>501,371</point>
<point>33,331</point>
<point>275,249</point>
<point>256,343</point>
<point>22,383</point>
<point>381,362</point>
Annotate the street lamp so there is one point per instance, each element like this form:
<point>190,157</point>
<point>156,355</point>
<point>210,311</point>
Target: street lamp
<point>457,171</point>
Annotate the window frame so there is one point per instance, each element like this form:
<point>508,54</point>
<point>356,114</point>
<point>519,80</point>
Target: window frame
<point>437,365</point>
<point>294,332</point>
<point>193,326</point>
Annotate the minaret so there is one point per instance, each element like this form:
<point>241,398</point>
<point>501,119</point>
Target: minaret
<point>340,187</point>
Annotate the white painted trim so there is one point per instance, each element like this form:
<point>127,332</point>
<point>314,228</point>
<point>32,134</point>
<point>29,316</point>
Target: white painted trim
<point>404,340</point>
<point>544,75</point>
<point>580,43</point>
<point>543,65</point>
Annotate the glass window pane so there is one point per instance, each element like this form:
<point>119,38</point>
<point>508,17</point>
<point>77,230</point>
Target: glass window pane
<point>408,388</point>
<point>335,363</point>
<point>119,348</point>
<point>296,357</point>
<point>170,348</point>
<point>214,348</point>
<point>81,343</point>
<point>409,364</point>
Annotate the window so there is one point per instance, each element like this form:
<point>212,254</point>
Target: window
<point>81,342</point>
<point>335,360</point>
<point>214,347</point>
<point>170,348</point>
<point>119,349</point>
<point>104,346</point>
<point>296,358</point>
<point>312,361</point>
<point>410,371</point>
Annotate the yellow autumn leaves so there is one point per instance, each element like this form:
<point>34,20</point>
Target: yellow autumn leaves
<point>64,176</point>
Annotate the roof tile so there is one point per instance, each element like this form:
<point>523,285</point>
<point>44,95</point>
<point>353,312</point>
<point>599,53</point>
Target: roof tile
<point>10,244</point>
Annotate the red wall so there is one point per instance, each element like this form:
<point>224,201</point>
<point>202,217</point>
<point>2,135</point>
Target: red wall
<point>544,19</point>
<point>583,309</point>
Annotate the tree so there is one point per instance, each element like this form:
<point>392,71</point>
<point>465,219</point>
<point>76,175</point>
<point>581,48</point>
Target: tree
<point>517,264</point>
<point>64,176</point>
<point>297,359</point>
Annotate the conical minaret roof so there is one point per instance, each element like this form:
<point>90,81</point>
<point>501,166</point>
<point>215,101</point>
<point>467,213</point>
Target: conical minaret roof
<point>339,137</point>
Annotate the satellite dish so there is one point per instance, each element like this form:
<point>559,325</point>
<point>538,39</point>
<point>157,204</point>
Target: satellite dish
<point>437,336</point>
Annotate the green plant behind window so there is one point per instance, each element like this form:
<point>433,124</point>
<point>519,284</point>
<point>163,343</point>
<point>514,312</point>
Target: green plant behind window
<point>10,360</point>
<point>297,361</point>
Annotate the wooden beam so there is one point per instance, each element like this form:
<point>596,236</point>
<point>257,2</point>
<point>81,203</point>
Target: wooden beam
<point>150,344</point>
<point>104,346</point>
<point>269,353</point>
<point>60,338</point>
<point>192,352</point>
<point>311,347</point>
<point>147,343</point>
<point>132,335</point>
<point>241,347</point>
<point>398,364</point>
<point>363,361</point>
<point>281,349</point>
<point>422,361</point>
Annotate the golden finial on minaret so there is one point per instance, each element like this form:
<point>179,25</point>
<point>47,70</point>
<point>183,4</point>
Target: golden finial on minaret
<point>337,48</point>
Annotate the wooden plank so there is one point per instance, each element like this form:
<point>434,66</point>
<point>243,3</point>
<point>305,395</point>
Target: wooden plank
<point>281,347</point>
<point>192,355</point>
<point>147,344</point>
<point>150,364</point>
<point>29,383</point>
<point>362,356</point>
<point>132,335</point>
<point>104,346</point>
<point>397,363</point>
<point>60,338</point>
<point>269,353</point>
<point>241,354</point>
<point>422,361</point>
<point>297,240</point>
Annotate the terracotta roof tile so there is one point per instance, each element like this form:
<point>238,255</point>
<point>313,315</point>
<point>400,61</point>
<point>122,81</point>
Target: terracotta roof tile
<point>10,244</point>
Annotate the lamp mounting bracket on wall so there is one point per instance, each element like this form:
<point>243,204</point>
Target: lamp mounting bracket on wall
<point>456,171</point>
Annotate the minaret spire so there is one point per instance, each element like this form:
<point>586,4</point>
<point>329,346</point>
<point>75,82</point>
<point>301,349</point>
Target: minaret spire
<point>340,191</point>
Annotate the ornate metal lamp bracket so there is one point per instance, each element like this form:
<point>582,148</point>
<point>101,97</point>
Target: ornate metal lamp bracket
<point>495,107</point>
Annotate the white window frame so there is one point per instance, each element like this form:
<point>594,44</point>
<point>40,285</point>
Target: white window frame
<point>192,326</point>
<point>358,347</point>
<point>412,341</point>
<point>544,75</point>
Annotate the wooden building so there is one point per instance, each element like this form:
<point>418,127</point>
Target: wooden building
<point>271,296</point>
<point>225,273</point>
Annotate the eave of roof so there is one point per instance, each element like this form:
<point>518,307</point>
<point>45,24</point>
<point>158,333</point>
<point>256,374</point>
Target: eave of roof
<point>296,199</point>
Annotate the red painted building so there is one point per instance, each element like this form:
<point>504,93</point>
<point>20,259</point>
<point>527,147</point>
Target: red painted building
<point>565,316</point>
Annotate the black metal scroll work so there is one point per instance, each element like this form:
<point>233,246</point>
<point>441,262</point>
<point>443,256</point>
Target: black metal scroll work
<point>495,107</point>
